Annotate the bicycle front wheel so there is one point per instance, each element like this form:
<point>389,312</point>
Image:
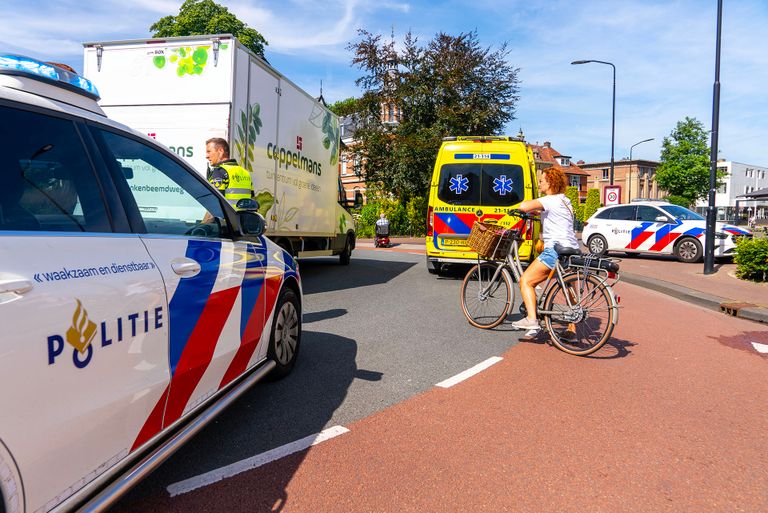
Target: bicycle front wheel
<point>583,322</point>
<point>485,301</point>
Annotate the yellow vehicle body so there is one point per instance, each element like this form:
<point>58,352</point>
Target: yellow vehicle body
<point>477,178</point>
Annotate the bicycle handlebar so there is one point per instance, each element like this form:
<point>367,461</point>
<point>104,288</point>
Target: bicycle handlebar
<point>523,215</point>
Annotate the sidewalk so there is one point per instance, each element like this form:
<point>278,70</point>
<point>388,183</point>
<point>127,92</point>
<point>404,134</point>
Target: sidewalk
<point>721,291</point>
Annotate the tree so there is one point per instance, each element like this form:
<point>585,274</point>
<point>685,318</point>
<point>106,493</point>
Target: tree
<point>684,168</point>
<point>345,107</point>
<point>450,86</point>
<point>592,203</point>
<point>200,17</point>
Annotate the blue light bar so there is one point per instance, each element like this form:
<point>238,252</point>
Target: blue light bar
<point>33,68</point>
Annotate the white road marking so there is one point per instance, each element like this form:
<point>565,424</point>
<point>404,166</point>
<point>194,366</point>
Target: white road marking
<point>458,378</point>
<point>253,462</point>
<point>760,348</point>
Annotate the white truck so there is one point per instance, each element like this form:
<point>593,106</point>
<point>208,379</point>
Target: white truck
<point>184,90</point>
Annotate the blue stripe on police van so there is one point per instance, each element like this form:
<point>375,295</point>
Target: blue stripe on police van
<point>485,156</point>
<point>191,296</point>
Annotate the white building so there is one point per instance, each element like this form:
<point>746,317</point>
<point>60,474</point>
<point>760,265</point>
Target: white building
<point>740,179</point>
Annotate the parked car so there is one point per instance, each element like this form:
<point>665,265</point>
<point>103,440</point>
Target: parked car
<point>126,324</point>
<point>656,227</point>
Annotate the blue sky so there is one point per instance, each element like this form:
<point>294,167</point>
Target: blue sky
<point>664,52</point>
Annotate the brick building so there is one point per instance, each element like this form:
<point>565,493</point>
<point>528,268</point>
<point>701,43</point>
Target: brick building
<point>546,156</point>
<point>636,177</point>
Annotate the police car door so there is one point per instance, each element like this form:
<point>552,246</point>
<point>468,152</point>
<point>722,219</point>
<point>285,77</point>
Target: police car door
<point>621,226</point>
<point>82,310</point>
<point>213,283</point>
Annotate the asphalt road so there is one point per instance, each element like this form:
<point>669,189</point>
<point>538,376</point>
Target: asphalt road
<point>376,332</point>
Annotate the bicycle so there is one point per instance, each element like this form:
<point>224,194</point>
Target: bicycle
<point>577,303</point>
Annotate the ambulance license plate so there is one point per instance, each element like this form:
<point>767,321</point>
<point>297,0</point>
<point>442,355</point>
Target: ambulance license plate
<point>454,242</point>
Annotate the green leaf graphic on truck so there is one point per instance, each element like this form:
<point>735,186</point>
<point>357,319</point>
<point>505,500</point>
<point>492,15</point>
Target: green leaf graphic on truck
<point>331,136</point>
<point>189,60</point>
<point>245,135</point>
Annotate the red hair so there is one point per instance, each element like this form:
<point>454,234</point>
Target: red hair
<point>555,179</point>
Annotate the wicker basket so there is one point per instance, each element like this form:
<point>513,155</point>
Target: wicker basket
<point>487,241</point>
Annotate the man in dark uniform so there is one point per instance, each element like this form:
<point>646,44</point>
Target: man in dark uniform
<point>233,181</point>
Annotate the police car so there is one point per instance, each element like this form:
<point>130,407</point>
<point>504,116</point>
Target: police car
<point>656,227</point>
<point>135,302</point>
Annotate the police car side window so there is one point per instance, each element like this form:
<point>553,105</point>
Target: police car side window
<point>170,199</point>
<point>47,182</point>
<point>623,213</point>
<point>647,214</point>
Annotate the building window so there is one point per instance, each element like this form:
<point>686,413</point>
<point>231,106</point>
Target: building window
<point>605,174</point>
<point>574,181</point>
<point>722,189</point>
<point>358,165</point>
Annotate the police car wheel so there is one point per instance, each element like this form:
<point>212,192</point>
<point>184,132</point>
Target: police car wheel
<point>597,245</point>
<point>688,250</point>
<point>286,333</point>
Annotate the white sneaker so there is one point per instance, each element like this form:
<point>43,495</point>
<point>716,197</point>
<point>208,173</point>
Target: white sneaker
<point>526,324</point>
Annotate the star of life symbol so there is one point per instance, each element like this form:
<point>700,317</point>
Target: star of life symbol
<point>459,184</point>
<point>502,185</point>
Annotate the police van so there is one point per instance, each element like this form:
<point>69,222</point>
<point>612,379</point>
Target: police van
<point>127,324</point>
<point>477,178</point>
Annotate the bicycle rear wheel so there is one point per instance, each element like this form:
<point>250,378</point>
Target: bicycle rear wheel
<point>486,303</point>
<point>587,326</point>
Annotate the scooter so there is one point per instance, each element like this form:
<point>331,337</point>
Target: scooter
<point>381,239</point>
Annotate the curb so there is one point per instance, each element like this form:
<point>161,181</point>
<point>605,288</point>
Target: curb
<point>748,312</point>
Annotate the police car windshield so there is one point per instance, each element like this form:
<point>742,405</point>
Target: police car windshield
<point>681,213</point>
<point>481,184</point>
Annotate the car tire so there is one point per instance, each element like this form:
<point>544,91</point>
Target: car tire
<point>285,336</point>
<point>689,250</point>
<point>597,245</point>
<point>346,254</point>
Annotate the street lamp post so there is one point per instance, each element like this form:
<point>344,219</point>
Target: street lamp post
<point>613,111</point>
<point>629,193</point>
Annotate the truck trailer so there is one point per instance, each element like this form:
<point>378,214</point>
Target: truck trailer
<point>183,91</point>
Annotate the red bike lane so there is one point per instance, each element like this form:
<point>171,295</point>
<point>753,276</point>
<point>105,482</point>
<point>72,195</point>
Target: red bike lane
<point>670,416</point>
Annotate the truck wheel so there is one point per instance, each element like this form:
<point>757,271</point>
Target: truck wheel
<point>346,253</point>
<point>286,334</point>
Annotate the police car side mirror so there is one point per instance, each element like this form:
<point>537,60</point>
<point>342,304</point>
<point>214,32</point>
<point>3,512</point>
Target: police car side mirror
<point>251,223</point>
<point>662,219</point>
<point>248,204</point>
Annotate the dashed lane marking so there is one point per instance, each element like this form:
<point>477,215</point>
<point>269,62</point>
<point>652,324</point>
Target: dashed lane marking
<point>253,462</point>
<point>760,348</point>
<point>458,378</point>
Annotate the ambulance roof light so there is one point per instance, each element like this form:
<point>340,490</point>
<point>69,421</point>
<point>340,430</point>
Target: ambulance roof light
<point>11,64</point>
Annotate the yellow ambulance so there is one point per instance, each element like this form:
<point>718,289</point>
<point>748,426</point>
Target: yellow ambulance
<point>477,178</point>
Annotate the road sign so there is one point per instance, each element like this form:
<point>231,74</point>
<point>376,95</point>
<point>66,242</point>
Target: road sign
<point>612,195</point>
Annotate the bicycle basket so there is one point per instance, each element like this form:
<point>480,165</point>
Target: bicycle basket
<point>490,241</point>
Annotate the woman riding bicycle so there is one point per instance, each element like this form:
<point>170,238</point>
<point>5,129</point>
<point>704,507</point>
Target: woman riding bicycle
<point>557,228</point>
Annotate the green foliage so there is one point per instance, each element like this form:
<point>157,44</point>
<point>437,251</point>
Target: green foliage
<point>679,200</point>
<point>403,219</point>
<point>345,107</point>
<point>592,203</point>
<point>450,86</point>
<point>202,17</point>
<point>751,259</point>
<point>416,213</point>
<point>572,193</point>
<point>684,168</point>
